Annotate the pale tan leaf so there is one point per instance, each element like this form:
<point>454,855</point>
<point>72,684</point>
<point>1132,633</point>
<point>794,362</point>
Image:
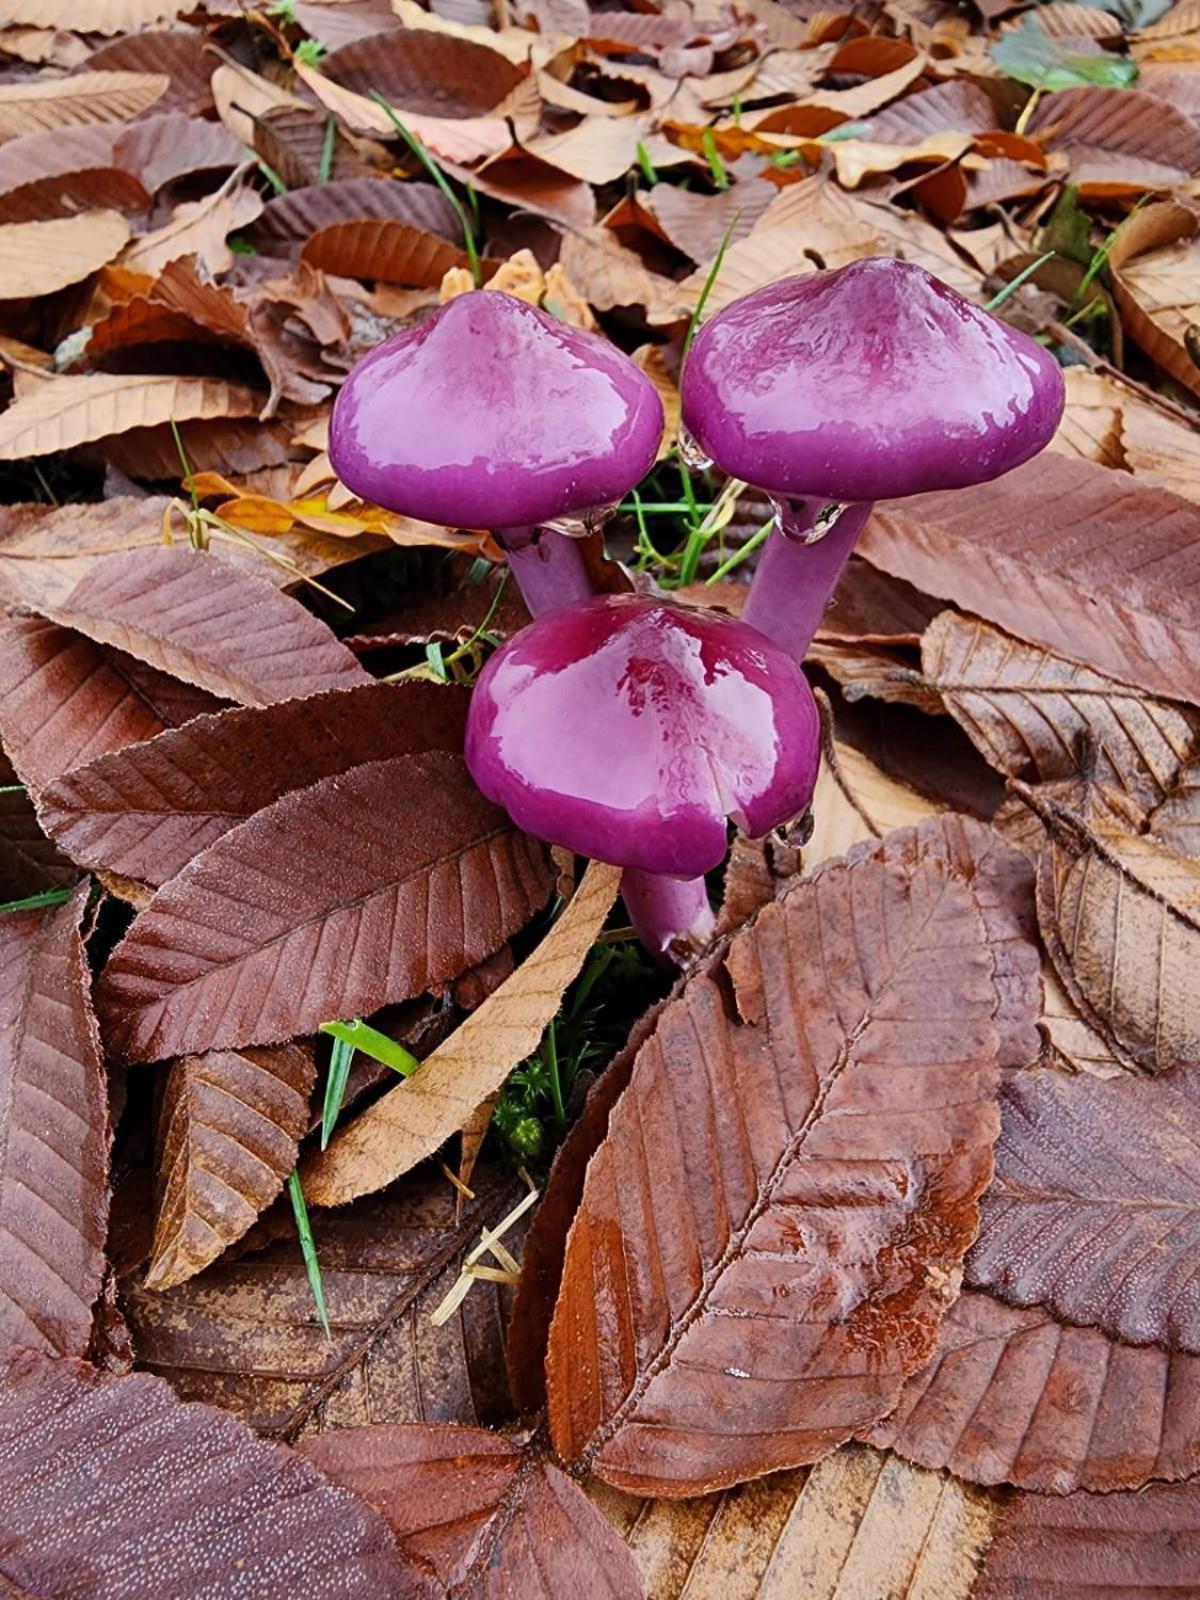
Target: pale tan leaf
<point>1161,449</point>
<point>854,801</point>
<point>599,150</point>
<point>88,16</point>
<point>40,257</point>
<point>1073,1038</point>
<point>860,1526</point>
<point>650,358</point>
<point>41,105</point>
<point>1155,265</point>
<point>460,139</point>
<point>229,1129</point>
<point>242,97</point>
<point>413,1119</point>
<point>1033,715</point>
<point>1091,425</point>
<point>67,411</point>
<point>198,228</point>
<point>609,274</point>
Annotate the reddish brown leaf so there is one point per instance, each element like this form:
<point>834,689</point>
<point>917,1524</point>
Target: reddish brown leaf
<point>490,1519</point>
<point>53,1133</point>
<point>1095,1208</point>
<point>229,1129</point>
<point>188,70</point>
<point>433,74</point>
<point>1065,554</point>
<point>196,618</point>
<point>1096,1547</point>
<point>409,877</point>
<point>245,1335</point>
<point>170,145</point>
<point>697,223</point>
<point>776,1091</point>
<point>387,251</point>
<point>65,700</point>
<point>292,218</point>
<point>60,174</point>
<point>1118,141</point>
<point>112,1488</point>
<point>146,811</point>
<point>29,862</point>
<point>1015,1397</point>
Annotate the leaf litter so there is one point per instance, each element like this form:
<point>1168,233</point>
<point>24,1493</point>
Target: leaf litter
<point>907,1157</point>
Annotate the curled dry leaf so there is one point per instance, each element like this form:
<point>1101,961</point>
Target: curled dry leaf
<point>245,1335</point>
<point>43,105</point>
<point>113,1488</point>
<point>411,1121</point>
<point>854,801</point>
<point>53,1133</point>
<point>1095,1546</point>
<point>169,145</point>
<point>486,1517</point>
<point>60,413</point>
<point>1016,1397</point>
<point>61,174</point>
<point>1107,586</point>
<point>198,228</point>
<point>1095,1209</point>
<point>774,1222</point>
<point>229,1129</point>
<point>40,257</point>
<point>195,617</point>
<point>1154,261</point>
<point>858,1526</point>
<point>65,700</point>
<point>1120,918</point>
<point>1033,715</point>
<point>147,810</point>
<point>409,877</point>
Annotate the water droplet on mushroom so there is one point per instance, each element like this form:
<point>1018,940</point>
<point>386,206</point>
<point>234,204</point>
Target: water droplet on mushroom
<point>573,527</point>
<point>691,454</point>
<point>825,521</point>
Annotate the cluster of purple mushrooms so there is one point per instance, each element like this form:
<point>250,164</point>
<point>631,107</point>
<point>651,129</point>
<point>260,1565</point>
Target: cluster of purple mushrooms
<point>627,727</point>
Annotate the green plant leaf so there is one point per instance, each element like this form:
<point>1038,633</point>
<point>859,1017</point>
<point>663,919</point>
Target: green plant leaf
<point>360,1035</point>
<point>340,1058</point>
<point>1031,56</point>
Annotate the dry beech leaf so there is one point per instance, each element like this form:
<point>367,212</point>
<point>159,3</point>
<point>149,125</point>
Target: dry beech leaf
<point>431,73</point>
<point>854,801</point>
<point>1016,1397</point>
<point>696,223</point>
<point>1033,715</point>
<point>413,1119</point>
<point>145,811</point>
<point>1155,264</point>
<point>29,862</point>
<point>61,174</point>
<point>1120,918</point>
<point>1078,1045</point>
<point>485,1517</point>
<point>244,1334</point>
<point>1176,822</point>
<point>876,671</point>
<point>39,257</point>
<point>388,251</point>
<point>1095,1546</point>
<point>858,1526</point>
<point>1159,449</point>
<point>197,618</point>
<point>290,219</point>
<point>198,228</point>
<point>230,1127</point>
<point>88,16</point>
<point>43,105</point>
<point>1118,141</point>
<point>112,1488</point>
<point>65,700</point>
<point>171,51</point>
<point>839,1127</point>
<point>1065,554</point>
<point>408,877</point>
<point>457,139</point>
<point>1092,422</point>
<point>53,1133</point>
<point>62,412</point>
<point>1095,1208</point>
<point>607,273</point>
<point>168,145</point>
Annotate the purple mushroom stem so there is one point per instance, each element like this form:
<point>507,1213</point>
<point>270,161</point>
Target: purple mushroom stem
<point>547,566</point>
<point>800,567</point>
<point>671,916</point>
<point>632,730</point>
<point>839,389</point>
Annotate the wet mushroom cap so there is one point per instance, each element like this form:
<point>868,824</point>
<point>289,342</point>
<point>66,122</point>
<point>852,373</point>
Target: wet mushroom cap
<point>493,414</point>
<point>629,729</point>
<point>867,383</point>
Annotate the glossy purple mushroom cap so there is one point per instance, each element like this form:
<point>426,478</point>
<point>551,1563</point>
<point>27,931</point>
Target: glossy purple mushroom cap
<point>629,730</point>
<point>867,383</point>
<point>493,414</point>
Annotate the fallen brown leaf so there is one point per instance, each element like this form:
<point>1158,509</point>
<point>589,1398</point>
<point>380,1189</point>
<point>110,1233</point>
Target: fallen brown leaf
<point>1154,261</point>
<point>657,1403</point>
<point>146,810</point>
<point>290,219</point>
<point>88,16</point>
<point>59,174</point>
<point>60,413</point>
<point>405,844</point>
<point>167,145</point>
<point>461,139</point>
<point>1016,1397</point>
<point>54,1097</point>
<point>387,251</point>
<point>121,1488</point>
<point>1118,141</point>
<point>1102,582</point>
<point>432,74</point>
<point>171,52</point>
<point>198,228</point>
<point>1095,1209</point>
<point>1093,417</point>
<point>855,801</point>
<point>229,1130</point>
<point>33,106</point>
<point>196,618</point>
<point>1159,449</point>
<point>487,1518</point>
<point>29,862</point>
<point>40,257</point>
<point>411,1121</point>
<point>244,1333</point>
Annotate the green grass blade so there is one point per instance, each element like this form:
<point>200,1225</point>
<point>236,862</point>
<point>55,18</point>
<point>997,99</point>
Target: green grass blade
<point>308,1248</point>
<point>372,1043</point>
<point>272,177</point>
<point>759,536</point>
<point>713,156</point>
<point>718,259</point>
<point>340,1058</point>
<point>1011,288</point>
<point>326,166</point>
<point>39,901</point>
<point>439,177</point>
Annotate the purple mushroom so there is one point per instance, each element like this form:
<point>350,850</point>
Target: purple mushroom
<point>841,388</point>
<point>629,730</point>
<point>493,414</point>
